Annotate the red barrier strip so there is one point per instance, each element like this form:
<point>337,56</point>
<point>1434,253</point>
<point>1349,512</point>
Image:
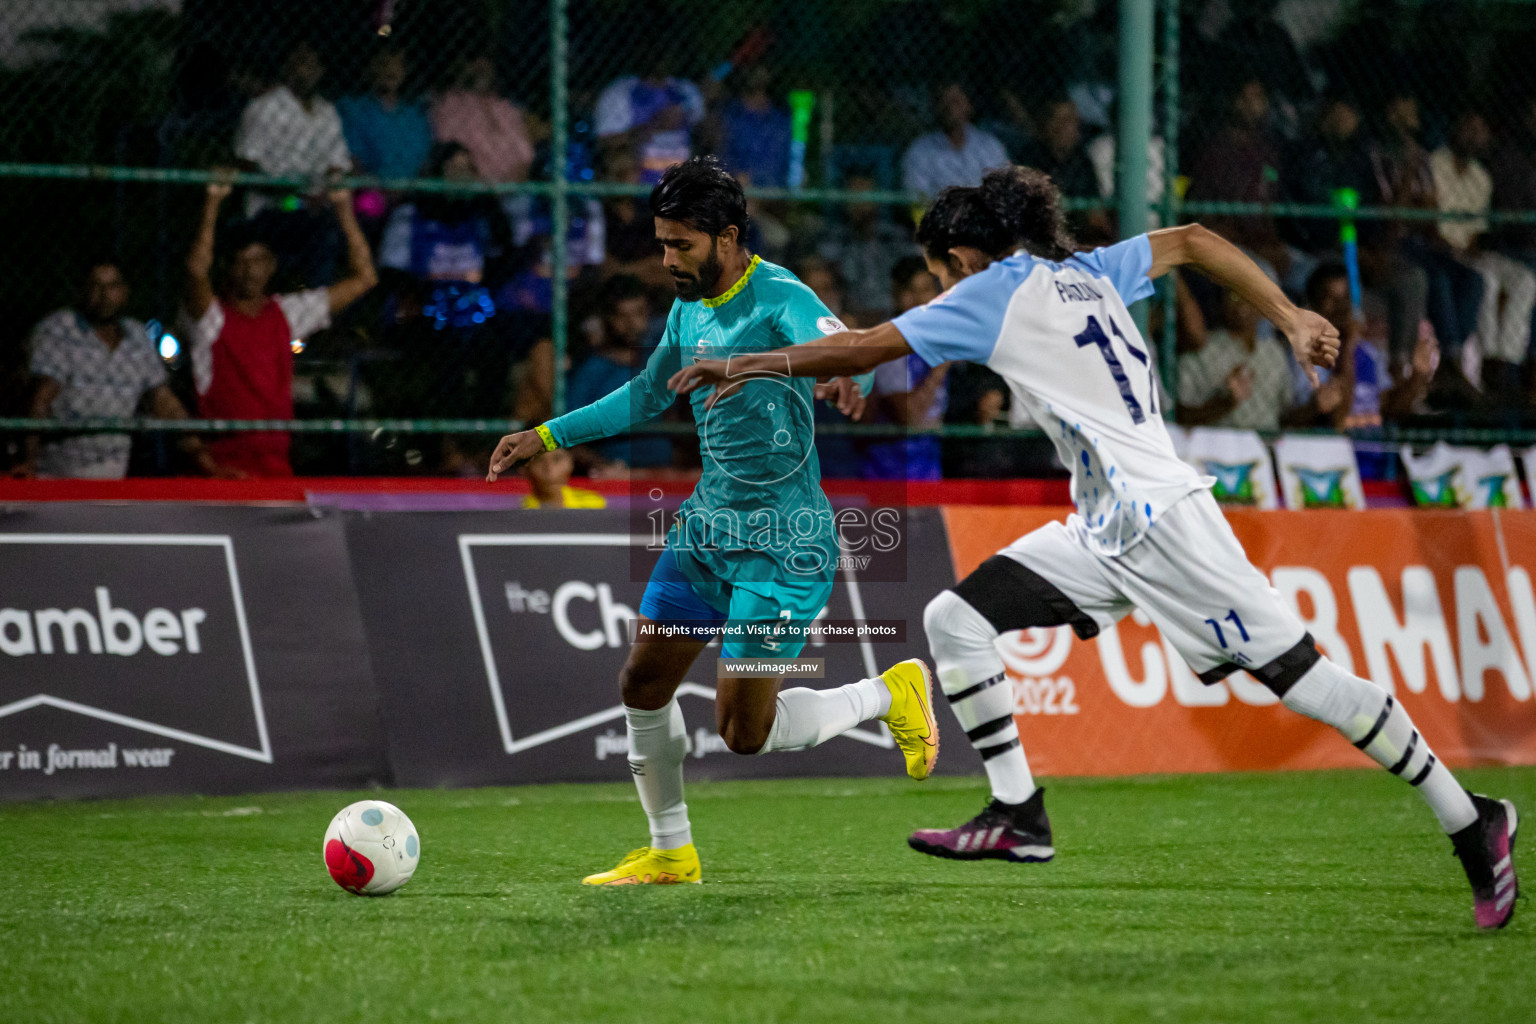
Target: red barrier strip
<point>297,489</point>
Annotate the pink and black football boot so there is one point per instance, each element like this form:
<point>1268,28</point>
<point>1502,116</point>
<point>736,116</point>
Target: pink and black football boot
<point>1486,849</point>
<point>1016,832</point>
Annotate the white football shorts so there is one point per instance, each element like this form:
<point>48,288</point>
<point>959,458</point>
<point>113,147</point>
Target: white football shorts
<point>1189,574</point>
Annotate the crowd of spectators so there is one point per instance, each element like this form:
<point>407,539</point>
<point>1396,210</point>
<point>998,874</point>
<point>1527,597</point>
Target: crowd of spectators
<point>1452,286</point>
<point>460,285</point>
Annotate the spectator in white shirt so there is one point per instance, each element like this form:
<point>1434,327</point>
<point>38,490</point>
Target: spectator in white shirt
<point>958,153</point>
<point>1464,185</point>
<point>1239,379</point>
<point>94,362</point>
<point>292,130</point>
<point>1101,151</point>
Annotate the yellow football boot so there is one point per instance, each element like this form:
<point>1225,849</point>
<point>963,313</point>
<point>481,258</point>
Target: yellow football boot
<point>646,866</point>
<point>911,719</point>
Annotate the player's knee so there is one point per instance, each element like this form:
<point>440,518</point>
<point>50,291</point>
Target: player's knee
<point>936,617</point>
<point>1328,694</point>
<point>933,615</point>
<point>742,735</point>
<point>628,686</point>
<point>638,689</point>
<point>952,624</point>
<point>1284,672</point>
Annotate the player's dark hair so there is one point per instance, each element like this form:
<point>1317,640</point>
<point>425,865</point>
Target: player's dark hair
<point>1028,204</point>
<point>906,269</point>
<point>620,288</point>
<point>1014,207</point>
<point>701,193</point>
<point>1318,281</point>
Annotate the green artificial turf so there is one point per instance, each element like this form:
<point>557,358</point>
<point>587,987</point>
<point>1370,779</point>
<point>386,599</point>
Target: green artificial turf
<point>1295,897</point>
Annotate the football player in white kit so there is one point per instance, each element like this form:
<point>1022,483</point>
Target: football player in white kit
<point>1146,532</point>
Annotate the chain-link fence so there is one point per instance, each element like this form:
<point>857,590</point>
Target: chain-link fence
<point>1420,115</point>
<point>491,258</point>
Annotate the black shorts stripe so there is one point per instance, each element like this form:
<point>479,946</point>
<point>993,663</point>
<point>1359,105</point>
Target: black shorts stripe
<point>986,729</point>
<point>1423,772</point>
<point>971,691</point>
<point>1212,676</point>
<point>1413,742</point>
<point>1282,673</point>
<point>1381,721</point>
<point>988,753</point>
<point>1011,596</point>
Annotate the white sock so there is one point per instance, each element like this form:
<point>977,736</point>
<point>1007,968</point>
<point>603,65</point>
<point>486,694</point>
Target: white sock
<point>972,676</point>
<point>658,742</point>
<point>804,718</point>
<point>1372,720</point>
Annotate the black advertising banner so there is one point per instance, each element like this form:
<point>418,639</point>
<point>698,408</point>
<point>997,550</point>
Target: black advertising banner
<point>497,641</point>
<point>180,648</point>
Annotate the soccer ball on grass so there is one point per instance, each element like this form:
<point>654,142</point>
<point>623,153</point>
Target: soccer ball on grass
<point>371,848</point>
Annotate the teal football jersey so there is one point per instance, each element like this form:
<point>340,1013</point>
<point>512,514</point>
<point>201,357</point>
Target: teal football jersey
<point>758,512</point>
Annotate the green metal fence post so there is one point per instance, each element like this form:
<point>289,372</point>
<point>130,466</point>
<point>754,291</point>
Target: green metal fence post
<point>1135,98</point>
<point>559,198</point>
<point>1168,344</point>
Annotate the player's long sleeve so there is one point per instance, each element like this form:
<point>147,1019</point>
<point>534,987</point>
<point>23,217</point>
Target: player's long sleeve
<point>642,398</point>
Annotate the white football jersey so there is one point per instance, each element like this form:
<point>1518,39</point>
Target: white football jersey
<point>1060,335</point>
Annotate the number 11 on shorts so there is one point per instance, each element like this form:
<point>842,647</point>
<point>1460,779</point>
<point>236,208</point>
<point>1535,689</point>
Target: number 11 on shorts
<point>1233,618</point>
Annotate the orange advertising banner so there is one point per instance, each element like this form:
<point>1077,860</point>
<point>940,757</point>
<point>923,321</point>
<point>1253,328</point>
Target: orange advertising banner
<point>1436,606</point>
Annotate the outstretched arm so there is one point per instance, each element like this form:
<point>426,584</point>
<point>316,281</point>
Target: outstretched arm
<point>360,273</point>
<point>846,353</point>
<point>637,400</point>
<point>200,260</point>
<point>1314,340</point>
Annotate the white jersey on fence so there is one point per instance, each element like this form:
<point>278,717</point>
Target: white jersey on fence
<point>1060,335</point>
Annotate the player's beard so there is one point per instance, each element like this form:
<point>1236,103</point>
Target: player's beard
<point>692,287</point>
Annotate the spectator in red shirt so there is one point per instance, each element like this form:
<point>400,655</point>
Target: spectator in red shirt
<point>242,342</point>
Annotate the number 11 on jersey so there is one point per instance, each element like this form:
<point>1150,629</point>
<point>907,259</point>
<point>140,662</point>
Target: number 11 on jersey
<point>1093,334</point>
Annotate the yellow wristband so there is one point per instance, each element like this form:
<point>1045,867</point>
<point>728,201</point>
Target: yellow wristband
<point>550,444</point>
